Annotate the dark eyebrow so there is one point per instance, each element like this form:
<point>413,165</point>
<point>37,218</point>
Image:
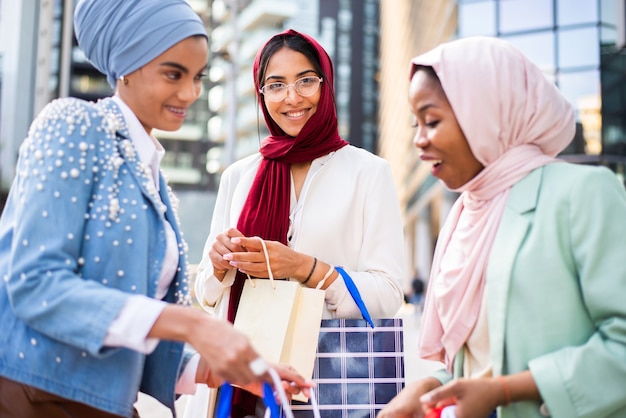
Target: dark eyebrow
<point>182,68</point>
<point>424,107</point>
<point>278,77</point>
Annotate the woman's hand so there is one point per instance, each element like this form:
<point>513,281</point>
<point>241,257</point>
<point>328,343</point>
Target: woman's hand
<point>293,382</point>
<point>226,352</point>
<point>479,397</point>
<point>284,261</point>
<point>407,403</point>
<point>475,398</point>
<point>223,245</point>
<point>204,375</point>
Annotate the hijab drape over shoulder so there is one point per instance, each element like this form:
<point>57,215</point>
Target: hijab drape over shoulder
<point>121,36</point>
<point>514,120</point>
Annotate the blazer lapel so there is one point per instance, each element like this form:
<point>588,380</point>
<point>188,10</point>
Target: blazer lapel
<point>513,227</point>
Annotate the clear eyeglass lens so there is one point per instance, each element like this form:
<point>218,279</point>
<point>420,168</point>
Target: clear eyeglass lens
<point>305,86</point>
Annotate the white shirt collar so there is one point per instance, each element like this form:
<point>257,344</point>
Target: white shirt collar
<point>150,151</point>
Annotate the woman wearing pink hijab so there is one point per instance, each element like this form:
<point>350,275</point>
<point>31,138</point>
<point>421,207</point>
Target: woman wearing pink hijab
<point>522,305</point>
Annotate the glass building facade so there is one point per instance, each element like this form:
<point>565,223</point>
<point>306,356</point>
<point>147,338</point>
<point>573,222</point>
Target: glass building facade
<point>577,44</point>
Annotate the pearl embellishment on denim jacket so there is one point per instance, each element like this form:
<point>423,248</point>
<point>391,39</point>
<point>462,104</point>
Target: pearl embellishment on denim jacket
<point>47,154</point>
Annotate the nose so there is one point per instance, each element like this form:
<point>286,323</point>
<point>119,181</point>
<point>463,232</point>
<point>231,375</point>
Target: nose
<point>190,91</point>
<point>419,139</point>
<point>292,94</point>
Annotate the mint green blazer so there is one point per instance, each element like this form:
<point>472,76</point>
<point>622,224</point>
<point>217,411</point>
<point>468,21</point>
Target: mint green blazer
<point>556,291</point>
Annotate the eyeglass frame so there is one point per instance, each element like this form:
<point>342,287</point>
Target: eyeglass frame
<point>295,88</point>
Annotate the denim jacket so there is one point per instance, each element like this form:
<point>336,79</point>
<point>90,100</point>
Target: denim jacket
<point>83,229</point>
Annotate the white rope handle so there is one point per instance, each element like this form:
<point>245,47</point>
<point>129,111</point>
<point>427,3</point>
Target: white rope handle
<point>267,261</point>
<point>278,385</point>
<point>283,398</point>
<point>316,408</point>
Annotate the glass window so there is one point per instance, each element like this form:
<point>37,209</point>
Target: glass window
<point>579,47</point>
<point>539,48</point>
<point>477,19</point>
<point>608,36</point>
<point>608,11</point>
<point>580,87</point>
<point>583,11</point>
<point>519,15</point>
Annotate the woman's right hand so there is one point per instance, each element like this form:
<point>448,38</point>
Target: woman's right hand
<point>407,403</point>
<point>227,353</point>
<point>223,245</point>
<point>292,382</point>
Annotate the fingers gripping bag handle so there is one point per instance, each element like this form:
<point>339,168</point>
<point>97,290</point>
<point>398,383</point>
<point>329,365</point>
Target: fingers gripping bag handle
<point>354,292</point>
<point>273,410</point>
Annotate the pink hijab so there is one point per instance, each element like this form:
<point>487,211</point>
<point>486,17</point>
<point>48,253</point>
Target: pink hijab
<point>515,121</point>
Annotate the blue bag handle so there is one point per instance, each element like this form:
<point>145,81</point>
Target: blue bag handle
<point>354,292</point>
<point>225,400</point>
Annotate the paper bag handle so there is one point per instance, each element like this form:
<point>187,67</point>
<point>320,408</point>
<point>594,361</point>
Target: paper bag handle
<point>267,261</point>
<point>354,292</point>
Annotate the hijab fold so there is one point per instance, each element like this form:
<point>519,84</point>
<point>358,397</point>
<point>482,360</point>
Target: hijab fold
<point>515,121</point>
<point>121,36</point>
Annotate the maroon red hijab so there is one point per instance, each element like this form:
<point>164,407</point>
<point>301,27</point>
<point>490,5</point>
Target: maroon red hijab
<point>266,210</point>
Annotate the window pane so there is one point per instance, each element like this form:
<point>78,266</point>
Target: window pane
<point>580,87</point>
<point>579,47</point>
<point>539,48</point>
<point>608,11</point>
<point>582,90</point>
<point>580,11</point>
<point>608,36</point>
<point>477,19</point>
<point>518,15</point>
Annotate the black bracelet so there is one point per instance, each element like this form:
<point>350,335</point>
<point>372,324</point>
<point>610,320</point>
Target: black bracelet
<point>311,272</point>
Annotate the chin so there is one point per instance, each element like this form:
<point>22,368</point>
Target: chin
<point>171,127</point>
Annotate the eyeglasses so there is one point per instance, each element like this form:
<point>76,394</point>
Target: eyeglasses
<point>305,86</point>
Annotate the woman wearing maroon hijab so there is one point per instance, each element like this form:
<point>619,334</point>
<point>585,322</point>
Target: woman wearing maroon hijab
<point>317,201</point>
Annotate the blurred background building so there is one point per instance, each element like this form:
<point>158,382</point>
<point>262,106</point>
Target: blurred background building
<point>577,43</point>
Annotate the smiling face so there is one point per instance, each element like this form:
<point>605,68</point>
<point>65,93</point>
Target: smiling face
<point>160,92</point>
<point>439,137</point>
<point>291,113</point>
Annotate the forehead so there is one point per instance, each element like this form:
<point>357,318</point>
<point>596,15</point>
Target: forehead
<point>425,88</point>
<point>191,53</point>
<point>287,63</point>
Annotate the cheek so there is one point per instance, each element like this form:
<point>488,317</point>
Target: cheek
<point>273,111</point>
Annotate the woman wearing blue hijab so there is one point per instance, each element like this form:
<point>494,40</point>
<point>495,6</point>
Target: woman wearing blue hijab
<point>94,270</point>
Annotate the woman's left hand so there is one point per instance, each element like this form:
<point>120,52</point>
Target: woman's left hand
<point>293,382</point>
<point>475,398</point>
<point>284,261</point>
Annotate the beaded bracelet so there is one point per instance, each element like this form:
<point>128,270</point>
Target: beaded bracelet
<point>311,272</point>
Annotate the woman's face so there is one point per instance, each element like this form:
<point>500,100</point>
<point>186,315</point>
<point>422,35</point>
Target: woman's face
<point>439,137</point>
<point>291,113</point>
<point>160,92</point>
